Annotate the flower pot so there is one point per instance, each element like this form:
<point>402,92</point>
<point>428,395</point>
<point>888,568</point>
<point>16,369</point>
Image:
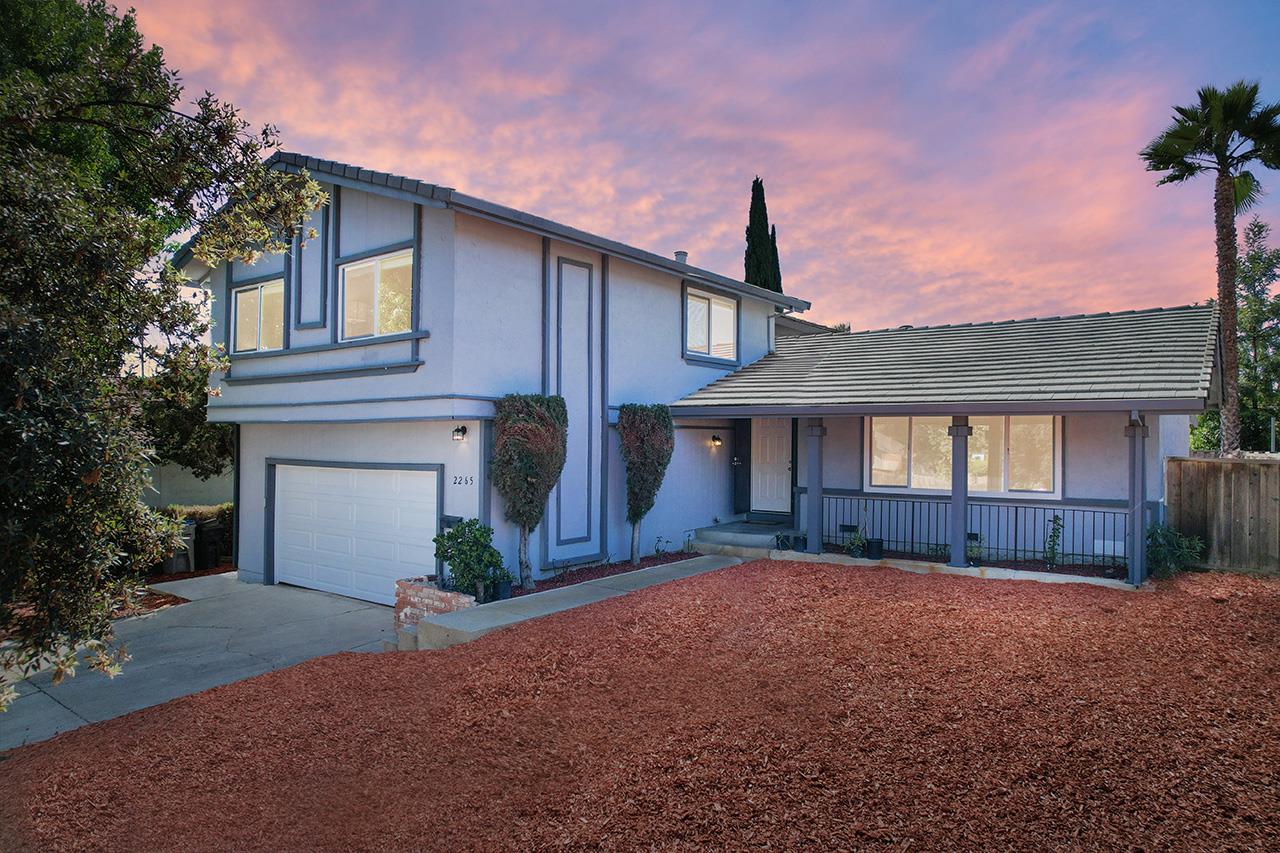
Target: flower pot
<point>875,549</point>
<point>502,590</point>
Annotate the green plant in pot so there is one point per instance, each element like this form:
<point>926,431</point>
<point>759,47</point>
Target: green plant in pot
<point>501,580</point>
<point>467,548</point>
<point>856,544</point>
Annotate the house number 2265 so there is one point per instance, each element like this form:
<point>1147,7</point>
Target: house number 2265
<point>467,480</point>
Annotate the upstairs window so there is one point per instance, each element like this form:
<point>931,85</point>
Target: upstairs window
<point>376,296</point>
<point>257,317</point>
<point>1008,454</point>
<point>711,326</point>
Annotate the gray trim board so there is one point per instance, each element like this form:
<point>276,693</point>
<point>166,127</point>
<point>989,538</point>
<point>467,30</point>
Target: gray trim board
<point>411,398</point>
<point>604,402</point>
<point>298,323</point>
<point>486,460</point>
<point>236,473</point>
<point>366,254</point>
<point>269,525</point>
<point>561,263</point>
<point>354,342</point>
<point>326,373</point>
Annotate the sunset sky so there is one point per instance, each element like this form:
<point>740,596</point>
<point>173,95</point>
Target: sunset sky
<point>976,161</point>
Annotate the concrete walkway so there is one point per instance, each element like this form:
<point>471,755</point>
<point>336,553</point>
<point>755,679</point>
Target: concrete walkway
<point>228,631</point>
<point>461,626</point>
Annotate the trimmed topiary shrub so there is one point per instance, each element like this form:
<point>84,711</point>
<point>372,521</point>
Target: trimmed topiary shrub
<point>648,438</point>
<point>529,442</point>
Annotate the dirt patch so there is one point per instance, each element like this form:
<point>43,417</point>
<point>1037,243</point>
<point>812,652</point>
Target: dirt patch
<point>181,576</point>
<point>604,570</point>
<point>788,704</point>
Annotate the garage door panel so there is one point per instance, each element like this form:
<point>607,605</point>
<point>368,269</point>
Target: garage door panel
<point>354,531</point>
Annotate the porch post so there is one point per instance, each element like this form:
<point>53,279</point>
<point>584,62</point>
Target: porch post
<point>959,432</point>
<point>813,484</point>
<point>1136,540</point>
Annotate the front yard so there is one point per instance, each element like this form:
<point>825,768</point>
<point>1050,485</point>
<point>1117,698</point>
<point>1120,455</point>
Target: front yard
<point>786,703</point>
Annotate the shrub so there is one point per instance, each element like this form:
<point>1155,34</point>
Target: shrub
<point>1053,542</point>
<point>1168,551</point>
<point>648,439</point>
<point>530,437</point>
<point>467,548</point>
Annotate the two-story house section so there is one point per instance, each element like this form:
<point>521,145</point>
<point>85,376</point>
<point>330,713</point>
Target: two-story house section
<point>364,369</point>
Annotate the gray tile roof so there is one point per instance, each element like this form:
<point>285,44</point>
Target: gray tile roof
<point>1160,358</point>
<point>447,196</point>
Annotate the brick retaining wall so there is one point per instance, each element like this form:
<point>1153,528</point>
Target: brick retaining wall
<point>417,597</point>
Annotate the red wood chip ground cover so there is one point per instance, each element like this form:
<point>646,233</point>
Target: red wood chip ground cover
<point>779,704</point>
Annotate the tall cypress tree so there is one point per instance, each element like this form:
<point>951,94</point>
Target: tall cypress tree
<point>777,268</point>
<point>761,260</point>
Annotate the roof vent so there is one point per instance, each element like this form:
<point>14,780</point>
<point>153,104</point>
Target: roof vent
<point>904,327</point>
<point>682,257</point>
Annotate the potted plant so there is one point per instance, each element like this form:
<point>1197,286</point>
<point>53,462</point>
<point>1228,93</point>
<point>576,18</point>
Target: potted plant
<point>501,580</point>
<point>856,544</point>
<point>467,548</point>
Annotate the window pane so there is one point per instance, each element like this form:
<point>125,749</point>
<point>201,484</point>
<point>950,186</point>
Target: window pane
<point>888,451</point>
<point>930,454</point>
<point>395,295</point>
<point>246,319</point>
<point>357,301</point>
<point>272,316</point>
<point>986,455</point>
<point>697,317</point>
<point>724,329</point>
<point>1031,453</point>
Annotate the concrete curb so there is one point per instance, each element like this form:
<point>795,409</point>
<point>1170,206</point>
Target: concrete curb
<point>918,567</point>
<point>463,626</point>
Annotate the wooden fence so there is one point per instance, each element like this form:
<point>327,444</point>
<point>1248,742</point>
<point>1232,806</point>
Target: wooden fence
<point>1233,505</point>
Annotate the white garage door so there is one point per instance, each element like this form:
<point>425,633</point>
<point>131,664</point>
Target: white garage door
<point>354,531</point>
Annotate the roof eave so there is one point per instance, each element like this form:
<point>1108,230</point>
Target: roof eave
<point>1160,405</point>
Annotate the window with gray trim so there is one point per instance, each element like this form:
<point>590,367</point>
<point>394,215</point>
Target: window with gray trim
<point>257,317</point>
<point>375,296</point>
<point>710,325</point>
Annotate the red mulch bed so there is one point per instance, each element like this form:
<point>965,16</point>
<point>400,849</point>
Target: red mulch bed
<point>148,602</point>
<point>604,570</point>
<point>789,704</point>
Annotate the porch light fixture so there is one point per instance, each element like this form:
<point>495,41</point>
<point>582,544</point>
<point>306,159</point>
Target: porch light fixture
<point>716,441</point>
<point>460,433</point>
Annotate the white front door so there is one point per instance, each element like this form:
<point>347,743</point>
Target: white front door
<point>771,464</point>
<point>354,531</point>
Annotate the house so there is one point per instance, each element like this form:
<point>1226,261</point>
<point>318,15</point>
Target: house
<point>365,366</point>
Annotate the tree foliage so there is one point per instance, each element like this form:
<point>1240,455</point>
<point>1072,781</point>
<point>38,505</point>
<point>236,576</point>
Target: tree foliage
<point>101,164</point>
<point>529,445</point>
<point>647,434</point>
<point>1259,345</point>
<point>1224,133</point>
<point>761,266</point>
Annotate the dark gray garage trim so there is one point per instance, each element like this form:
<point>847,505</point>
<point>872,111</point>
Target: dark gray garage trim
<point>269,529</point>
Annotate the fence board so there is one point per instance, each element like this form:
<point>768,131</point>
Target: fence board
<point>1231,504</point>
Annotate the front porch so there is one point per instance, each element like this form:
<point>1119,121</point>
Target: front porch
<point>1091,538</point>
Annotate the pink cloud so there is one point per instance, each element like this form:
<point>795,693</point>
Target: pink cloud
<point>1001,181</point>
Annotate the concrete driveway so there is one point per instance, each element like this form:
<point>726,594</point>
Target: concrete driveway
<point>228,631</point>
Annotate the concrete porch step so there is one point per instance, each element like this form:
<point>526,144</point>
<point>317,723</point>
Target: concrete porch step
<point>744,534</point>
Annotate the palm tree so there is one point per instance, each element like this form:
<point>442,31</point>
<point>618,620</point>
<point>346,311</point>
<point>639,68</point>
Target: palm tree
<point>1224,133</point>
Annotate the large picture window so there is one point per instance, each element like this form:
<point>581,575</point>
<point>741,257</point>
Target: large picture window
<point>257,317</point>
<point>1007,454</point>
<point>376,296</point>
<point>711,326</point>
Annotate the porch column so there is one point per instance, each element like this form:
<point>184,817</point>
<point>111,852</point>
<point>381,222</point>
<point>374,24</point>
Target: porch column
<point>814,431</point>
<point>1137,432</point>
<point>959,432</point>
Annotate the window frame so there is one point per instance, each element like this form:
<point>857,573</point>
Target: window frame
<point>375,261</point>
<point>711,297</point>
<point>1005,492</point>
<point>236,291</point>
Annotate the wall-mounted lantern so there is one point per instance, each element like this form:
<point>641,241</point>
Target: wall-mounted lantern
<point>460,433</point>
<point>716,440</point>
